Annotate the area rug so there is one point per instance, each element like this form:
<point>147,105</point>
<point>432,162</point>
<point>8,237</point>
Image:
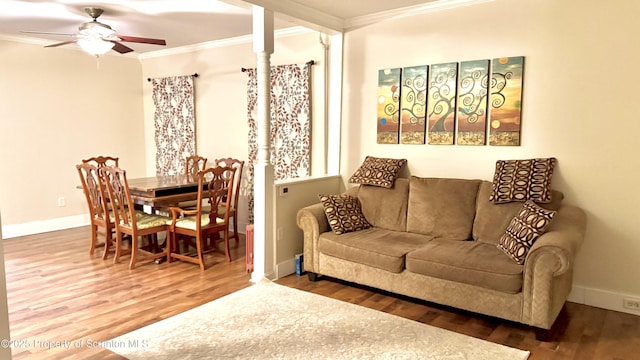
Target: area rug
<point>271,321</point>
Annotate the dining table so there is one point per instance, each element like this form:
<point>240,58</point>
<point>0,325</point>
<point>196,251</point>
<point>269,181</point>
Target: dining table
<point>163,190</point>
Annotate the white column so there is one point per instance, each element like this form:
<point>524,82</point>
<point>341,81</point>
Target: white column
<point>264,243</point>
<point>334,98</point>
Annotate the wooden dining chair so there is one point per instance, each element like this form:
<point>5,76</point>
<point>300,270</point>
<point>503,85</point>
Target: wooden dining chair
<point>130,221</point>
<point>99,214</point>
<point>194,164</point>
<point>203,221</point>
<point>236,182</point>
<point>101,161</point>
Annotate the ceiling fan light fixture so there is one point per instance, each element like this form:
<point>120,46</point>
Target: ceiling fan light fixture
<point>95,28</point>
<point>95,46</point>
<point>97,38</point>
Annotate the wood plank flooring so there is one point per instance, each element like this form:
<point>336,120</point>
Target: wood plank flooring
<point>57,292</point>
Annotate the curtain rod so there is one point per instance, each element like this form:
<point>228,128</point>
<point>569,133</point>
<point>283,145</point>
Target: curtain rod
<point>194,75</point>
<point>311,62</point>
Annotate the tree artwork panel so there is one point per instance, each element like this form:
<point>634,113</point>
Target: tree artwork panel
<point>472,102</point>
<point>413,104</point>
<point>388,105</point>
<point>506,101</point>
<point>441,104</point>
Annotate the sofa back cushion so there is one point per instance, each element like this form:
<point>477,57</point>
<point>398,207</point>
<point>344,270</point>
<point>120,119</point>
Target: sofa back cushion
<point>491,219</point>
<point>385,208</point>
<point>443,208</point>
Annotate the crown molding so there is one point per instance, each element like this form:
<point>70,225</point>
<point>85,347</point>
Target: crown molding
<point>434,6</point>
<point>25,39</point>
<point>324,22</point>
<point>246,39</point>
<point>310,17</point>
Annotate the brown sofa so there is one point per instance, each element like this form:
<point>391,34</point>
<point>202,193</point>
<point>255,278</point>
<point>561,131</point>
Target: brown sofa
<point>435,239</point>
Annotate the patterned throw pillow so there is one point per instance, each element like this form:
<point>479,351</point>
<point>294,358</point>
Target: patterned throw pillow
<point>524,229</point>
<point>344,213</point>
<point>378,171</point>
<point>522,180</point>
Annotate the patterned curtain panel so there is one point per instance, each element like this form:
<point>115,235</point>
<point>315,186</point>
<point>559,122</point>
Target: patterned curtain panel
<point>290,123</point>
<point>175,124</point>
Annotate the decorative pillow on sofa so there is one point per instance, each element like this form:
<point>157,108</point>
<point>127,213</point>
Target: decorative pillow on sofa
<point>491,219</point>
<point>522,180</point>
<point>378,171</point>
<point>524,229</point>
<point>343,213</point>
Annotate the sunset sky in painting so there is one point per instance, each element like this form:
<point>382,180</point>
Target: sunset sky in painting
<point>388,83</point>
<point>507,117</point>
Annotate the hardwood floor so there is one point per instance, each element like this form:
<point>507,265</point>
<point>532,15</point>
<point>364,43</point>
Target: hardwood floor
<point>57,292</point>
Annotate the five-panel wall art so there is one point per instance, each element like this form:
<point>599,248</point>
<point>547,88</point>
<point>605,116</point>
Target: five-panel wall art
<point>453,103</point>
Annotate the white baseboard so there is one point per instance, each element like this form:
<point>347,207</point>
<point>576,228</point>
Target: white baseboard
<point>602,298</point>
<point>37,227</point>
<point>285,268</point>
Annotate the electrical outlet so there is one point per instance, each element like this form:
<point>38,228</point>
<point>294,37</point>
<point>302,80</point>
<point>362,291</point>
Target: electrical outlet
<point>284,191</point>
<point>61,202</point>
<point>633,304</point>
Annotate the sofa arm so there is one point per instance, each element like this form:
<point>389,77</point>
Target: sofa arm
<point>563,239</point>
<point>313,222</point>
<point>548,268</point>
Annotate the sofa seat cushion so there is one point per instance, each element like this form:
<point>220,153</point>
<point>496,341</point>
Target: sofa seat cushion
<point>470,262</point>
<point>380,248</point>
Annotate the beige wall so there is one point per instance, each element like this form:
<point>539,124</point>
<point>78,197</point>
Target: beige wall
<point>579,94</point>
<point>57,107</point>
<point>5,351</point>
<point>221,97</point>
<point>580,87</point>
<point>288,238</point>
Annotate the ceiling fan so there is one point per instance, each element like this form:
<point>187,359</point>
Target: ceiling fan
<point>97,38</point>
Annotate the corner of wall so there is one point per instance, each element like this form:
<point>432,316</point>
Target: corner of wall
<point>5,351</point>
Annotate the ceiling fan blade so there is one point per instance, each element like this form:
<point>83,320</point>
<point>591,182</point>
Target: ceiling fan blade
<point>46,33</point>
<point>122,49</point>
<point>62,43</point>
<point>142,40</point>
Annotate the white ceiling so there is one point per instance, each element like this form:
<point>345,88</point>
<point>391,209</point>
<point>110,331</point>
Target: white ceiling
<point>189,22</point>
